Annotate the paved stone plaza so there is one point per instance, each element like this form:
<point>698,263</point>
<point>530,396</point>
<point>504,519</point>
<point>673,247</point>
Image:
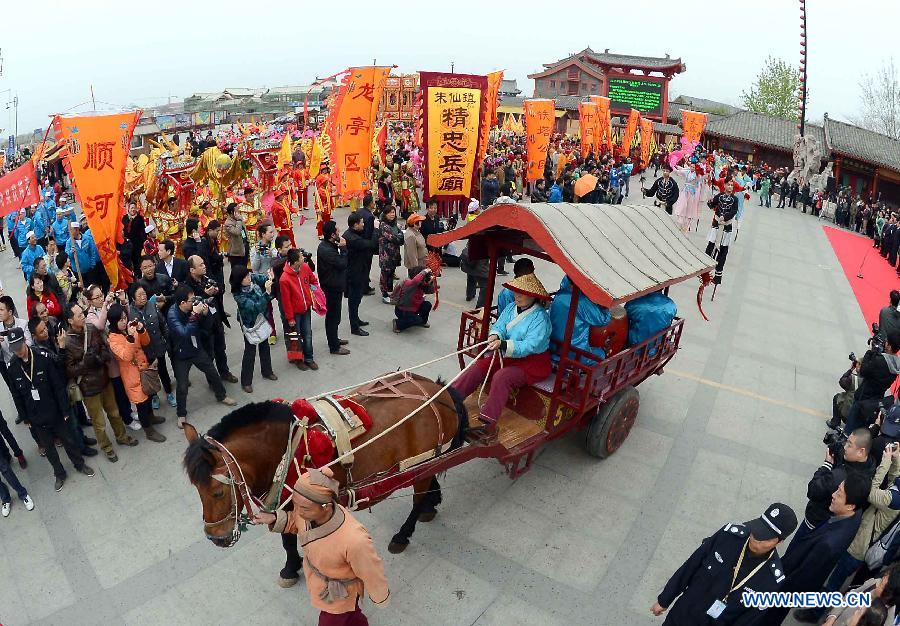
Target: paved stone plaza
<point>734,424</point>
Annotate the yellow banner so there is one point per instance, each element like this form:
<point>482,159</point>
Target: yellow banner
<point>351,124</point>
<point>452,134</point>
<point>603,129</point>
<point>540,117</point>
<point>587,117</point>
<point>98,147</point>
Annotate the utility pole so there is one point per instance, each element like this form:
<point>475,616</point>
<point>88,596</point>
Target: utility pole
<point>451,67</point>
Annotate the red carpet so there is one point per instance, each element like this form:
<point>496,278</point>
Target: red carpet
<point>878,279</point>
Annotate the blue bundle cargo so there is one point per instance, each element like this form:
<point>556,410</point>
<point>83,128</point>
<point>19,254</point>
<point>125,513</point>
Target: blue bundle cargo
<point>649,315</point>
<point>588,315</point>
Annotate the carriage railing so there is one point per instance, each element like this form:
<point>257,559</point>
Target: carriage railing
<point>584,380</point>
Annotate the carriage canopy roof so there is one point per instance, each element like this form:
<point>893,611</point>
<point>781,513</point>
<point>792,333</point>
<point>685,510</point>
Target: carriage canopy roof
<point>613,253</point>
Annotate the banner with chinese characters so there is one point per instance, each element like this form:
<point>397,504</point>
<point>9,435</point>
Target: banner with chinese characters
<point>351,122</point>
<point>587,118</point>
<point>603,130</point>
<point>489,115</point>
<point>97,148</point>
<point>453,105</point>
<point>646,139</point>
<point>540,116</point>
<point>693,124</point>
<point>631,127</point>
<point>19,189</point>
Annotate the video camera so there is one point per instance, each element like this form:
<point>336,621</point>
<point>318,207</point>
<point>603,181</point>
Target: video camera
<point>877,340</point>
<point>208,301</point>
<point>835,440</point>
<point>307,256</point>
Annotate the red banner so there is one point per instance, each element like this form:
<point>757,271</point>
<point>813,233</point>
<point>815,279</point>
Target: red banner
<point>19,189</point>
<point>452,113</point>
<point>97,149</point>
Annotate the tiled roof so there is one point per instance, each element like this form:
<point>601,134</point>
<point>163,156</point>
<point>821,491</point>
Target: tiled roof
<point>704,105</point>
<point>509,86</point>
<point>627,60</point>
<point>675,113</point>
<point>758,128</point>
<point>862,144</point>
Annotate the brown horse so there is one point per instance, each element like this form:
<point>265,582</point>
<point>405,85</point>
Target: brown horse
<point>256,435</point>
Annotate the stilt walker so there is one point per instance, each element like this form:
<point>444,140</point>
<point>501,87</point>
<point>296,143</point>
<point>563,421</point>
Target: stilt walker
<point>725,206</point>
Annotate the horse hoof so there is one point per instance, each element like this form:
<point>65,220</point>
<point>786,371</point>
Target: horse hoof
<point>427,516</point>
<point>396,548</point>
<point>287,583</point>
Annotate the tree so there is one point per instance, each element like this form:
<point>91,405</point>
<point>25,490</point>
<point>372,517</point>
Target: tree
<point>775,91</point>
<point>880,95</point>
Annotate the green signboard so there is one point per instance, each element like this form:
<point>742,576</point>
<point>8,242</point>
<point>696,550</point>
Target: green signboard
<point>636,93</point>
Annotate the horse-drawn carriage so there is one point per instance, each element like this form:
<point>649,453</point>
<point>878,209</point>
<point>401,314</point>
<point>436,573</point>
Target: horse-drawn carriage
<point>611,254</point>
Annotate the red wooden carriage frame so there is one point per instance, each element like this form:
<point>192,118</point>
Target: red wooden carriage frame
<point>611,254</point>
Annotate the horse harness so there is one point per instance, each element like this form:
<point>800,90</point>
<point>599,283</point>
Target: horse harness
<point>341,425</point>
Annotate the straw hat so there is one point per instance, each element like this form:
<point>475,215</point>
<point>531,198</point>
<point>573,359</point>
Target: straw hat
<point>528,285</point>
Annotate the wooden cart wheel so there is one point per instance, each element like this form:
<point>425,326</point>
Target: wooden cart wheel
<point>612,423</point>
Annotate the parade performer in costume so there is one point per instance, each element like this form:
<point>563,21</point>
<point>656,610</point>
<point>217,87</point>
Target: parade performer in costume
<point>340,563</point>
<point>665,189</point>
<point>725,206</point>
<point>250,209</point>
<point>687,208</point>
<point>300,178</point>
<point>742,183</point>
<point>281,214</point>
<point>521,335</point>
<point>324,199</point>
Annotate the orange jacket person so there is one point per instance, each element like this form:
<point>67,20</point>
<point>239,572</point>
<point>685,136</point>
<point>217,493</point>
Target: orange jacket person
<point>341,562</point>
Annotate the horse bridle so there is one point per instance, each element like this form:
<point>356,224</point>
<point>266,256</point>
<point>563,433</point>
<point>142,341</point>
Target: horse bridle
<point>232,475</point>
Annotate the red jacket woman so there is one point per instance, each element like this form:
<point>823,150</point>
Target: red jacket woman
<point>37,292</point>
<point>294,286</point>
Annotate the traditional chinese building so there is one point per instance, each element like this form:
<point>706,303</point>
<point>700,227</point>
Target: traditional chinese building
<point>637,82</point>
<point>399,98</point>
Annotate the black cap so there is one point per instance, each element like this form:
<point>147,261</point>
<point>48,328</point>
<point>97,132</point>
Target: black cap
<point>890,425</point>
<point>777,521</point>
<point>15,336</point>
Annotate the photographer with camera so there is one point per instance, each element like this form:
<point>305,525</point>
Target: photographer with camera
<point>879,368</point>
<point>184,319</point>
<point>844,455</point>
<point>411,307</point>
<point>884,500</point>
<point>212,331</point>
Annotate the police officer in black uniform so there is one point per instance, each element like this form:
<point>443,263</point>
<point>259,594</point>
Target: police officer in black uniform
<point>39,392</point>
<point>665,189</point>
<point>738,558</point>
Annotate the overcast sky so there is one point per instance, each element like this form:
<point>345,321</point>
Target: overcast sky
<point>142,52</point>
